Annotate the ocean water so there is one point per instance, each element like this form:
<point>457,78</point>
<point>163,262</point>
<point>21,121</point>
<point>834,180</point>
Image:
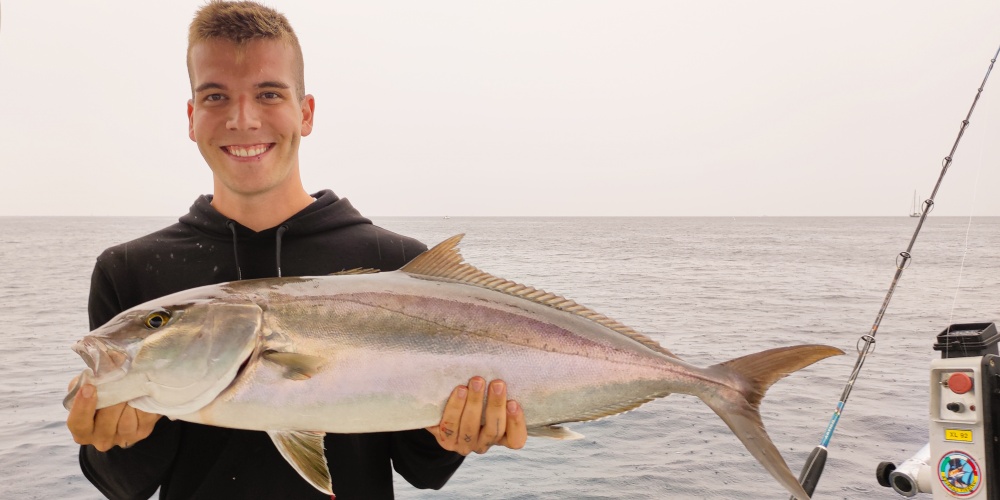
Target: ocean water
<point>709,289</point>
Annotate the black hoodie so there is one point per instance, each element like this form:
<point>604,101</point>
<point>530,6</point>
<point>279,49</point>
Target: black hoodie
<point>193,461</point>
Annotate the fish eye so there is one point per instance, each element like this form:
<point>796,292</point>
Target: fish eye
<point>156,319</point>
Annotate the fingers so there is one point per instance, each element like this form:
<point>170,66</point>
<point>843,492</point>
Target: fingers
<point>118,425</point>
<point>106,427</point>
<point>447,431</point>
<point>127,432</point>
<point>466,427</point>
<point>80,420</point>
<point>472,417</point>
<point>146,423</point>
<point>495,422</point>
<point>517,430</point>
<point>134,426</point>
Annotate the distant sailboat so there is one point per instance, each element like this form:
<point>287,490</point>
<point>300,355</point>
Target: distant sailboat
<point>916,210</point>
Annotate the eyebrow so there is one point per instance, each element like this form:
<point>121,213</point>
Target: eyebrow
<point>261,85</point>
<point>272,85</point>
<point>209,85</point>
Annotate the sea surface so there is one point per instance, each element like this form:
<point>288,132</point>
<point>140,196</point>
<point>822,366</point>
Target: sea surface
<point>709,289</point>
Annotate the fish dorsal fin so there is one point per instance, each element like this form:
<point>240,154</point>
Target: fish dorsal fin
<point>304,451</point>
<point>356,270</point>
<point>444,261</point>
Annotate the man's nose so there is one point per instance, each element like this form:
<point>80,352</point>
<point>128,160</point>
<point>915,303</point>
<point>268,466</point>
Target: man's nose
<point>244,115</point>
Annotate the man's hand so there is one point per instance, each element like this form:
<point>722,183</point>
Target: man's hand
<point>118,425</point>
<point>463,429</point>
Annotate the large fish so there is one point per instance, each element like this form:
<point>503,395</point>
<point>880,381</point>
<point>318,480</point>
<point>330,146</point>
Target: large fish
<point>370,352</point>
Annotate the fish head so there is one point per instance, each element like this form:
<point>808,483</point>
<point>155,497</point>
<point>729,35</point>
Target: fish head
<point>169,358</point>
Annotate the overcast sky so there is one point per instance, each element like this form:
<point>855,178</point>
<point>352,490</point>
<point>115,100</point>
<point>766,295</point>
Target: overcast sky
<point>463,107</point>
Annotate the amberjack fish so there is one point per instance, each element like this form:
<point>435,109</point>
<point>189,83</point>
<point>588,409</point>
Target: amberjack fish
<point>370,352</point>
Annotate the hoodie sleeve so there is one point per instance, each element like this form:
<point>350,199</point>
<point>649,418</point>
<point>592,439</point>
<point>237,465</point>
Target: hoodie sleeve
<point>418,457</point>
<point>138,471</point>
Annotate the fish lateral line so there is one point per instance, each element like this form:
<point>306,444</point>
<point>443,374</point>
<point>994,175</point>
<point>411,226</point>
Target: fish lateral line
<point>486,333</point>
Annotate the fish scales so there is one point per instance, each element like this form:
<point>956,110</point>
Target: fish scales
<point>389,348</point>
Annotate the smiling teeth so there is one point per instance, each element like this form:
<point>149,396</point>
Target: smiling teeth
<point>251,151</point>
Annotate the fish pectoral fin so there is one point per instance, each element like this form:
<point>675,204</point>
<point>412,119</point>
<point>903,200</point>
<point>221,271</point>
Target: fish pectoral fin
<point>554,432</point>
<point>304,451</point>
<point>297,366</point>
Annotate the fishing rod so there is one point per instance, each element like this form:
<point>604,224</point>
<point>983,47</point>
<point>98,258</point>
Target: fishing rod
<point>813,468</point>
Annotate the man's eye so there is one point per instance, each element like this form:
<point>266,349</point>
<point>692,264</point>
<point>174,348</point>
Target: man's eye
<point>213,97</point>
<point>268,96</point>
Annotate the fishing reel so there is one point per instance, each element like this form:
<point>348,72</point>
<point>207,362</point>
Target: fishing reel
<point>961,458</point>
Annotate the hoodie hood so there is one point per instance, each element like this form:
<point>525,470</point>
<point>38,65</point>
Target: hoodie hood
<point>327,213</point>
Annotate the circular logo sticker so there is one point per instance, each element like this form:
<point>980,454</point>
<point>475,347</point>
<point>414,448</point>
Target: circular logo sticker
<point>959,474</point>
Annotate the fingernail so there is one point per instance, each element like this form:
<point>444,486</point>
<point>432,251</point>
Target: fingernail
<point>462,391</point>
<point>477,384</point>
<point>498,388</point>
<point>512,407</point>
<point>87,391</point>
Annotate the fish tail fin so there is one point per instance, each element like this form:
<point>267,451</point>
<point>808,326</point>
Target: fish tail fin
<point>746,380</point>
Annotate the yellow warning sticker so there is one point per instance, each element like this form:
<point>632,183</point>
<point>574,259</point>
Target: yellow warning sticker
<point>962,435</point>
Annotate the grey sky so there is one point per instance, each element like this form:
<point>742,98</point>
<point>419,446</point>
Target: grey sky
<point>528,107</point>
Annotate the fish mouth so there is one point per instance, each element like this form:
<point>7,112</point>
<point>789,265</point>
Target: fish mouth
<point>106,362</point>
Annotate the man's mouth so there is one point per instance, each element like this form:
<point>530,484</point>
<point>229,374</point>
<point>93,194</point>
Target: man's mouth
<point>247,151</point>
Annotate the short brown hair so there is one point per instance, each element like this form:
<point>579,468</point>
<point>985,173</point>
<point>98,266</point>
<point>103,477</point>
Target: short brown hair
<point>243,22</point>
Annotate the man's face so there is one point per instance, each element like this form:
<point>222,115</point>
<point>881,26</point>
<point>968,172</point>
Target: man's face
<point>246,117</point>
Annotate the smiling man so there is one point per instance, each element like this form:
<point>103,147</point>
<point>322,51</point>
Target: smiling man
<point>248,113</point>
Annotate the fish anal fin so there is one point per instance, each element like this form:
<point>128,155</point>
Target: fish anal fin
<point>554,432</point>
<point>444,261</point>
<point>297,366</point>
<point>626,406</point>
<point>304,451</point>
<point>357,270</point>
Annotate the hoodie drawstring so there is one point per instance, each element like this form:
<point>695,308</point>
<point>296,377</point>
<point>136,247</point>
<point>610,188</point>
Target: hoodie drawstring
<point>236,254</point>
<point>277,243</point>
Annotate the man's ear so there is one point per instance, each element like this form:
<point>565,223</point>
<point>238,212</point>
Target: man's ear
<point>191,119</point>
<point>308,110</point>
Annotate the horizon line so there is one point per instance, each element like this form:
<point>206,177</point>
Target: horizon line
<point>528,216</point>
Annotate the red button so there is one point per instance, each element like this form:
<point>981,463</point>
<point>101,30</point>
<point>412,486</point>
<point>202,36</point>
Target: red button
<point>959,383</point>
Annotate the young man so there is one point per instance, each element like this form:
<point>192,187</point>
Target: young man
<point>248,113</point>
